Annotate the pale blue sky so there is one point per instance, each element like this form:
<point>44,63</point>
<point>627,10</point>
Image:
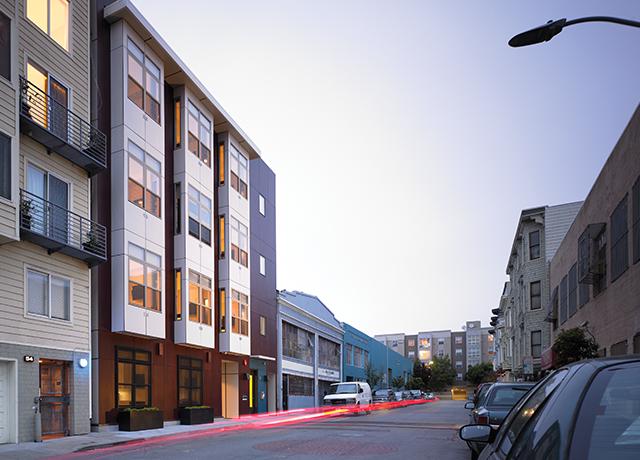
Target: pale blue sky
<point>406,136</point>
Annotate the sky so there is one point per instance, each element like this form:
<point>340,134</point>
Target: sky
<point>406,136</point>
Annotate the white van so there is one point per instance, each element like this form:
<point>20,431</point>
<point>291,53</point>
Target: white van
<point>349,393</point>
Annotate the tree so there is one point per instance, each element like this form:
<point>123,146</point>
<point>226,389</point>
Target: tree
<point>574,345</point>
<point>442,373</point>
<point>415,383</point>
<point>372,375</point>
<point>421,372</point>
<point>397,382</point>
<point>479,373</point>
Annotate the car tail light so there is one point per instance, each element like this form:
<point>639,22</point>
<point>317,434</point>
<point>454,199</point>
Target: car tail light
<point>483,419</point>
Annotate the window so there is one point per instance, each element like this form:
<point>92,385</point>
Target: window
<point>145,286</point>
<point>600,281</point>
<point>221,170</point>
<point>178,289</point>
<point>583,294</point>
<point>619,349</point>
<point>458,339</point>
<point>459,376</point>
<point>411,354</point>
<point>619,243</point>
<point>5,46</point>
<point>536,344</point>
<point>189,381</point>
<point>328,354</point>
<point>261,205</point>
<point>263,266</point>
<point>239,171</point>
<point>199,298</point>
<point>199,216</point>
<point>199,141</point>
<point>177,123</point>
<point>348,354</point>
<point>300,386</point>
<point>239,242</point>
<point>297,343</point>
<point>48,295</point>
<point>52,17</point>
<point>635,219</point>
<point>636,344</point>
<point>573,288</point>
<point>143,87</point>
<point>358,357</point>
<point>177,213</point>
<point>221,236</point>
<point>535,295</point>
<point>239,313</point>
<point>222,293</point>
<point>5,166</point>
<point>144,180</point>
<point>133,377</point>
<point>411,342</point>
<point>365,355</point>
<point>458,351</point>
<point>534,245</point>
<point>263,325</point>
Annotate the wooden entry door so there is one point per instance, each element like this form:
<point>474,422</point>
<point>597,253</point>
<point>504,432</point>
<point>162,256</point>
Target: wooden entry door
<point>54,398</point>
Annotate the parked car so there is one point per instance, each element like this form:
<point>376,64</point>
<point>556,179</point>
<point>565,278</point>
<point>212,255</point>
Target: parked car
<point>494,406</point>
<point>429,395</point>
<point>480,391</point>
<point>385,395</point>
<point>399,395</point>
<point>349,393</point>
<point>587,410</point>
<point>406,395</point>
<point>416,394</point>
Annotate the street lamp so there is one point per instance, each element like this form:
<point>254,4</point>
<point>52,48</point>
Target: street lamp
<point>552,28</point>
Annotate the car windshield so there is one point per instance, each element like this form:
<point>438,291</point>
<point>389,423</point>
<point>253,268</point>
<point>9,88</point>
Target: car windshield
<point>343,388</point>
<point>505,396</point>
<point>381,392</point>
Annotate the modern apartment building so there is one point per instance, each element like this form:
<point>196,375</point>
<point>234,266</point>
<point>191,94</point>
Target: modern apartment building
<point>49,155</point>
<point>172,317</point>
<point>309,350</point>
<point>538,235</point>
<point>479,344</point>
<point>595,274</point>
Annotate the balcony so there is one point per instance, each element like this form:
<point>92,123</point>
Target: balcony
<point>60,230</point>
<point>60,130</point>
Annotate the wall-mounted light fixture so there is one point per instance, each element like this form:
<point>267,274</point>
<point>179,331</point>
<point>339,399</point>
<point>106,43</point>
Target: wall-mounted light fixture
<point>83,362</point>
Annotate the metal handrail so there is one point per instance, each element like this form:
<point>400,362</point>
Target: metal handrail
<point>70,128</point>
<point>40,216</point>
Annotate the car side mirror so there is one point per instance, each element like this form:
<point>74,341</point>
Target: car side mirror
<point>477,433</point>
<point>469,406</point>
<point>361,390</point>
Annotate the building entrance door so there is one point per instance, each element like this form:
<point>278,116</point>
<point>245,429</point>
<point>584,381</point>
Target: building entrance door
<point>4,402</point>
<point>54,398</point>
<point>230,390</point>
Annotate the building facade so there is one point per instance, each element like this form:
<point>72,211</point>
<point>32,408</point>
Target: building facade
<point>595,274</point>
<point>361,351</point>
<point>538,235</point>
<point>411,346</point>
<point>309,350</point>
<point>49,155</point>
<point>395,342</point>
<point>459,354</point>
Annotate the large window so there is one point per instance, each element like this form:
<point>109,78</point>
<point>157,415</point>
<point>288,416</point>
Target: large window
<point>534,245</point>
<point>239,242</point>
<point>5,166</point>
<point>178,289</point>
<point>143,86</point>
<point>348,352</point>
<point>572,299</point>
<point>221,236</point>
<point>619,240</point>
<point>635,221</point>
<point>563,300</point>
<point>189,381</point>
<point>328,354</point>
<point>239,313</point>
<point>239,171</point>
<point>52,17</point>
<point>600,281</point>
<point>199,142</point>
<point>222,294</point>
<point>145,285</point>
<point>48,295</point>
<point>535,295</point>
<point>5,46</point>
<point>297,343</point>
<point>133,377</point>
<point>144,180</point>
<point>536,344</point>
<point>263,325</point>
<point>199,215</point>
<point>358,357</point>
<point>300,386</point>
<point>199,298</point>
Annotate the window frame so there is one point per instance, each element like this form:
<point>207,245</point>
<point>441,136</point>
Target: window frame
<point>619,237</point>
<point>262,263</point>
<point>263,325</point>
<point>199,117</point>
<point>145,264</point>
<point>222,308</point>
<point>262,206</point>
<point>238,254</point>
<point>199,281</point>
<point>146,170</point>
<point>143,84</point>
<point>134,362</point>
<point>538,296</point>
<point>191,369</point>
<point>8,49</point>
<point>9,169</point>
<point>242,300</point>
<point>49,275</point>
<point>539,344</point>
<point>237,183</point>
<point>200,200</point>
<point>532,246</point>
<point>47,32</point>
<point>635,222</point>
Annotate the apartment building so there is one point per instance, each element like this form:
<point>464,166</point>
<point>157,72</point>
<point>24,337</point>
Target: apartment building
<point>538,235</point>
<point>395,342</point>
<point>411,346</point>
<point>172,317</point>
<point>49,153</point>
<point>503,343</point>
<point>309,350</point>
<point>459,354</point>
<point>595,274</point>
<point>479,343</point>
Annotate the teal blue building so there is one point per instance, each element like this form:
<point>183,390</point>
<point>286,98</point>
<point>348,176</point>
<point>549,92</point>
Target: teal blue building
<point>359,348</point>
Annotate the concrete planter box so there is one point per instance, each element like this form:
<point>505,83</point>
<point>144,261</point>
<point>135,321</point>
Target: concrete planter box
<point>196,415</point>
<point>136,420</point>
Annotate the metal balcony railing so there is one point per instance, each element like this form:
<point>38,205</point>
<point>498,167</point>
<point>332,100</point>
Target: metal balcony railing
<point>61,130</point>
<point>59,229</point>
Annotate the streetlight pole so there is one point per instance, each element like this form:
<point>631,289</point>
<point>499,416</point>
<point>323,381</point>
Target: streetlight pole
<point>552,28</point>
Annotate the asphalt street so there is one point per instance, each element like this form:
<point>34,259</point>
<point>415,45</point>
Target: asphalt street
<point>427,431</point>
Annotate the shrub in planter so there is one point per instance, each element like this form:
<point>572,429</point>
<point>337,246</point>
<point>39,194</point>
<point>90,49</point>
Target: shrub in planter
<point>196,415</point>
<point>145,418</point>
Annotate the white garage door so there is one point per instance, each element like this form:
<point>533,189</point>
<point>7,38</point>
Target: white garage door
<point>4,402</point>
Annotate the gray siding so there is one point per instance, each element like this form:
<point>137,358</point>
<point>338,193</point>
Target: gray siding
<point>558,220</point>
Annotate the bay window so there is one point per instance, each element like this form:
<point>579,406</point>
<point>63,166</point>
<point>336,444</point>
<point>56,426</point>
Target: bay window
<point>239,313</point>
<point>199,215</point>
<point>145,284</point>
<point>199,298</point>
<point>199,136</point>
<point>144,180</point>
<point>143,87</point>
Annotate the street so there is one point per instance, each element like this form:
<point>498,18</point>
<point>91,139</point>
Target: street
<point>423,431</point>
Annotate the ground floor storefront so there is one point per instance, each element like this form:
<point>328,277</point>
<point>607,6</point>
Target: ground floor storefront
<point>55,381</point>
